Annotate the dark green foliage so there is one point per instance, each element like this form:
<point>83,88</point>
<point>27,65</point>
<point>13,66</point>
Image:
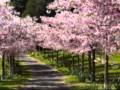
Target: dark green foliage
<point>19,5</point>
<point>36,7</point>
<point>32,7</point>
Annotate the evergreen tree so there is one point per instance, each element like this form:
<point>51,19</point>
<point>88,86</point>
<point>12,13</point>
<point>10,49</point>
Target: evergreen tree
<point>19,5</point>
<point>32,7</point>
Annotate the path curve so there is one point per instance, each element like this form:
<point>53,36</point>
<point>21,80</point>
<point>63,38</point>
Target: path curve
<point>43,77</point>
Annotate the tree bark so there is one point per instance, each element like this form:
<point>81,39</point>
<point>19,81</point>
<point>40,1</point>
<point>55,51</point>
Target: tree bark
<point>52,56</point>
<point>106,82</point>
<point>57,58</point>
<point>82,66</point>
<point>63,57</point>
<point>11,66</point>
<point>3,77</point>
<point>73,64</point>
<point>90,66</point>
<point>93,65</point>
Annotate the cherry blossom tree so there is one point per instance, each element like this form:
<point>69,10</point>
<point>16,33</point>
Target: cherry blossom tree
<point>87,25</point>
<point>15,36</point>
<point>79,26</point>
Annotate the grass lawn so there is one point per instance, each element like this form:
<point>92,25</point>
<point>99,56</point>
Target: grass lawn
<point>71,76</point>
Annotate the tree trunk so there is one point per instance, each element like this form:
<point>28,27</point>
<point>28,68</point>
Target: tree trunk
<point>49,54</point>
<point>52,56</point>
<point>82,66</point>
<point>43,52</point>
<point>106,72</point>
<point>90,66</point>
<point>3,77</point>
<point>62,63</point>
<point>11,66</point>
<point>57,58</point>
<point>93,65</point>
<point>73,67</point>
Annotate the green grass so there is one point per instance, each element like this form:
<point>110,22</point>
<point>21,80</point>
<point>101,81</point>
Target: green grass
<point>17,82</point>
<point>63,70</point>
<point>115,58</point>
<point>72,77</point>
<point>89,86</point>
<point>19,79</point>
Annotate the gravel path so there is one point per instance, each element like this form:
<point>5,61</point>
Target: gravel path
<point>43,77</point>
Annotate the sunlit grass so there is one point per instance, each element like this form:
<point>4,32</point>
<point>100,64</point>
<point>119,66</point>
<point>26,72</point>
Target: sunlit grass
<point>72,77</point>
<point>89,86</point>
<point>18,80</point>
<point>63,70</point>
<point>115,58</point>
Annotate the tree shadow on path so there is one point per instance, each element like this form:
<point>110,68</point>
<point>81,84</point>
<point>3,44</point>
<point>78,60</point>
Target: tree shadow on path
<point>43,77</point>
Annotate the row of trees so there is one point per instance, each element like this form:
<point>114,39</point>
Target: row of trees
<point>84,26</point>
<point>15,37</point>
<point>79,26</point>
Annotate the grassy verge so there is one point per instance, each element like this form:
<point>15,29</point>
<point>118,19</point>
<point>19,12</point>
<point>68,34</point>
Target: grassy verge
<point>71,76</point>
<point>19,80</point>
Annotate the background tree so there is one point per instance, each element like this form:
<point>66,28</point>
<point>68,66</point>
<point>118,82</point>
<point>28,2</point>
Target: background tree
<point>19,5</point>
<point>32,7</point>
<point>100,22</point>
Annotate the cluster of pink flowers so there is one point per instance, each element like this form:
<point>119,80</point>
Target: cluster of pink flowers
<point>81,25</point>
<point>15,32</point>
<point>78,26</point>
